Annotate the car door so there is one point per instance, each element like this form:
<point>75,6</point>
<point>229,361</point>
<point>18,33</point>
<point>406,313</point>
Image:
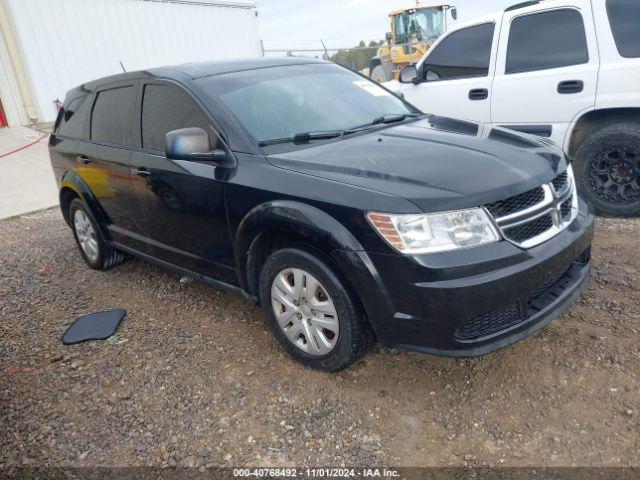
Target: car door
<point>456,75</point>
<point>185,222</point>
<point>103,159</point>
<point>547,69</point>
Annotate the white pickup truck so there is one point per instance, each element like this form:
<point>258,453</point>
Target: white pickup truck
<point>568,70</point>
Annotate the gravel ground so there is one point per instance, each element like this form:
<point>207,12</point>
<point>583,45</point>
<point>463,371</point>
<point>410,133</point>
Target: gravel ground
<point>195,378</point>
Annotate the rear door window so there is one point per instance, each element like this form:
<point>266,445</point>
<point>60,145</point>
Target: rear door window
<point>166,108</point>
<point>624,18</point>
<point>546,40</point>
<point>112,118</point>
<point>463,54</point>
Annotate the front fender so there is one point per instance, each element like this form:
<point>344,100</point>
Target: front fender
<point>322,231</point>
<point>294,217</point>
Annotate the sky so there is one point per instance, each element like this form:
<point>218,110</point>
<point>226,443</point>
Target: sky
<point>291,24</point>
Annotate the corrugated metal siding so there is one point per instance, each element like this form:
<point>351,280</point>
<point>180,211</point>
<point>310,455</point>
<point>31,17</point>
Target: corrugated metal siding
<point>68,42</point>
<point>9,91</point>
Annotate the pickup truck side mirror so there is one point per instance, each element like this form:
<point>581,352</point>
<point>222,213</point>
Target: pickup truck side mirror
<point>194,145</point>
<point>408,74</point>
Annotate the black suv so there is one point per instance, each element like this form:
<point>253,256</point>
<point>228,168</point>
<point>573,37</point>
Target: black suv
<point>347,214</point>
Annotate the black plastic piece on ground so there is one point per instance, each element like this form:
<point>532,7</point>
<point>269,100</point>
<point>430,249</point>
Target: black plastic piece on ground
<point>95,326</point>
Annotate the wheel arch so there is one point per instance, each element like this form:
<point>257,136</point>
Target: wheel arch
<point>276,224</point>
<point>282,222</point>
<point>594,120</point>
<point>73,186</point>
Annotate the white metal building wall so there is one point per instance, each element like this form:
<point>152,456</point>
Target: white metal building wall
<point>65,43</point>
<point>9,90</point>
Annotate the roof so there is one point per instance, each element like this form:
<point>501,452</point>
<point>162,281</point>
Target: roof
<point>208,69</point>
<point>193,71</point>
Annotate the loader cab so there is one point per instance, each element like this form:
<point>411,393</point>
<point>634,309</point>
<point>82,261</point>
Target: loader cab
<point>413,31</point>
<point>418,24</point>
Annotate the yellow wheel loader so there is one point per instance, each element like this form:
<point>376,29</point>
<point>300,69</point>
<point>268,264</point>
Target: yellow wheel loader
<point>413,31</point>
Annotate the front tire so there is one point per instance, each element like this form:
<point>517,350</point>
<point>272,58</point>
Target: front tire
<point>607,167</point>
<point>311,311</point>
<point>95,251</point>
<point>379,74</point>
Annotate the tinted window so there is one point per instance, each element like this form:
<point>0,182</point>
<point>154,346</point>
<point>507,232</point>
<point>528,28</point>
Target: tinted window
<point>465,53</point>
<point>74,117</point>
<point>546,40</point>
<point>166,108</point>
<point>624,17</point>
<point>112,116</point>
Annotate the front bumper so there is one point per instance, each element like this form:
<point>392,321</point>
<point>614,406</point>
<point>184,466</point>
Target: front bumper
<point>471,302</point>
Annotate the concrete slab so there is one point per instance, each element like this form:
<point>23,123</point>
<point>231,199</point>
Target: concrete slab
<point>26,179</point>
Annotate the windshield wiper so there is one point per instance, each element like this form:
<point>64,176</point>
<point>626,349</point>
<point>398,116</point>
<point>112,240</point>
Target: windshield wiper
<point>327,134</point>
<point>384,119</point>
<point>304,137</point>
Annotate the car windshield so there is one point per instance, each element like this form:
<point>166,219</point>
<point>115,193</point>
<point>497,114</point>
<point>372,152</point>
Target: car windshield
<point>284,102</point>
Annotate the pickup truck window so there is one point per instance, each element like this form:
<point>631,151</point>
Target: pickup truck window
<point>624,18</point>
<point>463,54</point>
<point>546,40</point>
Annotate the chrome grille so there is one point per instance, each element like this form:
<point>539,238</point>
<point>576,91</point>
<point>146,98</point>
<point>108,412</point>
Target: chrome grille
<point>525,231</point>
<point>517,203</point>
<point>534,217</point>
<point>561,182</point>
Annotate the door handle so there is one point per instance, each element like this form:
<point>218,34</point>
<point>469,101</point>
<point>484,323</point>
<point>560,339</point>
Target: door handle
<point>478,94</point>
<point>84,159</point>
<point>570,86</point>
<point>141,172</point>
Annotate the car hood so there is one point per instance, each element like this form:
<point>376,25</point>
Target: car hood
<point>437,163</point>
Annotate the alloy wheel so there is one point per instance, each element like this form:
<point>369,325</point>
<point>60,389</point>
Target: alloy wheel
<point>86,234</point>
<point>304,311</point>
<point>614,174</point>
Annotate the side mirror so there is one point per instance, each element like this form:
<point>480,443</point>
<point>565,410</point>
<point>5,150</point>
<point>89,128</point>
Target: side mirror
<point>388,36</point>
<point>408,74</point>
<point>194,145</point>
<point>454,13</point>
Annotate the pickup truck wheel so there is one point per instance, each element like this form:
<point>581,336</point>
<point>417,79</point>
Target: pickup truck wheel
<point>607,167</point>
<point>94,249</point>
<point>311,312</point>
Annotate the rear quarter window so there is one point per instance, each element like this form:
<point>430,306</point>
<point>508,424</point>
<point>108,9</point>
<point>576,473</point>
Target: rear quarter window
<point>112,118</point>
<point>74,117</point>
<point>624,18</point>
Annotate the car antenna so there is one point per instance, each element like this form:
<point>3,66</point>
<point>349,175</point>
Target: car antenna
<point>123,69</point>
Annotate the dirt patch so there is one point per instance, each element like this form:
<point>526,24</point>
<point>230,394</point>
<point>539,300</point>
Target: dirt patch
<point>195,378</point>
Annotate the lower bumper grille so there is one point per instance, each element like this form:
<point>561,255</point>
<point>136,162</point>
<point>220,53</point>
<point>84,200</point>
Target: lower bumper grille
<point>512,314</point>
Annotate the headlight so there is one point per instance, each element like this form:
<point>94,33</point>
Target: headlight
<point>435,232</point>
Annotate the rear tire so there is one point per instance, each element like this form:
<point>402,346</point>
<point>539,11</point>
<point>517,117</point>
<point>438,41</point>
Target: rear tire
<point>95,250</point>
<point>379,74</point>
<point>607,168</point>
<point>301,313</point>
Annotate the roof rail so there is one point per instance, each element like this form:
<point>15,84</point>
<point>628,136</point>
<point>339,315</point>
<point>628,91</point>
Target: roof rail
<point>518,6</point>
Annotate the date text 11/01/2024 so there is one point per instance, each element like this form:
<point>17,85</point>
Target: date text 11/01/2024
<point>317,472</point>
